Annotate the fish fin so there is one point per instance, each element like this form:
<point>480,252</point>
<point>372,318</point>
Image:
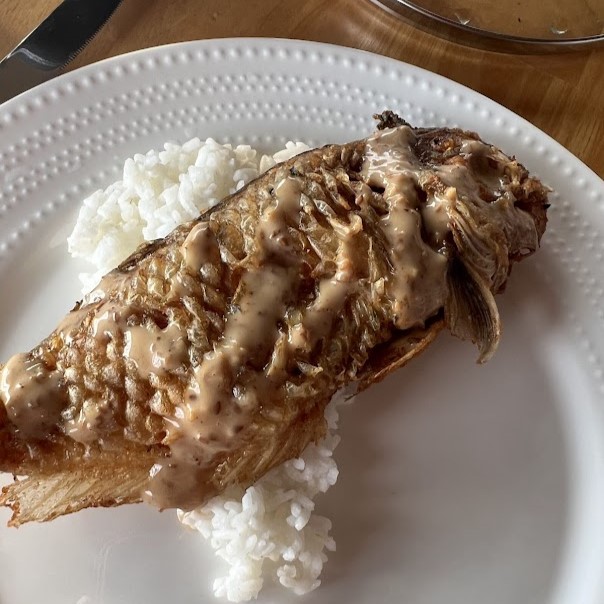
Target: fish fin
<point>277,441</point>
<point>43,497</point>
<point>389,119</point>
<point>471,311</point>
<point>388,357</point>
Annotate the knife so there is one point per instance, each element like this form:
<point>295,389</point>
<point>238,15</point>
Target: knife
<point>46,51</point>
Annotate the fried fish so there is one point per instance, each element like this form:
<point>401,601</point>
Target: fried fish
<point>208,357</point>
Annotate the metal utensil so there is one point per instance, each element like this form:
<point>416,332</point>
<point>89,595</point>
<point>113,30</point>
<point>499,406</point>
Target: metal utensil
<point>45,52</point>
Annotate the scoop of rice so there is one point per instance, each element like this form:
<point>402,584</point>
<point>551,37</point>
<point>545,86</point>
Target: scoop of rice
<point>269,531</point>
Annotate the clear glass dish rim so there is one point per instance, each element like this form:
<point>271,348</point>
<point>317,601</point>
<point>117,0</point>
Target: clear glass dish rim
<point>475,34</point>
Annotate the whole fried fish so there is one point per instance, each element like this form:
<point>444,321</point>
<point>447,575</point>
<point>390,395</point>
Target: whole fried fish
<point>208,357</point>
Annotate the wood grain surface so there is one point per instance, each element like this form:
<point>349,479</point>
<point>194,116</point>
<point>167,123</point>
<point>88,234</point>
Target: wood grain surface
<point>562,94</point>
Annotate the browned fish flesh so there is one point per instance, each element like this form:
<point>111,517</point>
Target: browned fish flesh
<point>208,357</point>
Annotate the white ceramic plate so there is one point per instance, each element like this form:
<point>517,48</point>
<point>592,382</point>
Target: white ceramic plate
<point>459,484</point>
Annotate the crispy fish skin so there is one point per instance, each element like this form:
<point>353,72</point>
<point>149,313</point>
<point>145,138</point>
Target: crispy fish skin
<point>309,235</point>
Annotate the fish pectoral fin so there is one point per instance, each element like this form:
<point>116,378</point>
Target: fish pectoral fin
<point>386,358</point>
<point>470,311</point>
<point>42,497</point>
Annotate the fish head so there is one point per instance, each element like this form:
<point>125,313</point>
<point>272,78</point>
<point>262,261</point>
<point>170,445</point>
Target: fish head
<point>495,215</point>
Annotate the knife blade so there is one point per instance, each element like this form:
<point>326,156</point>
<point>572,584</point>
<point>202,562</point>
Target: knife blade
<point>45,52</point>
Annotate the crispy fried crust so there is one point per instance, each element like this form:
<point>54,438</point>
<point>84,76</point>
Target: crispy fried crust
<point>395,354</point>
<point>43,498</point>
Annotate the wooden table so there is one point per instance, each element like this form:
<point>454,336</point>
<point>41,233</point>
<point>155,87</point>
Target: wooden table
<point>563,94</point>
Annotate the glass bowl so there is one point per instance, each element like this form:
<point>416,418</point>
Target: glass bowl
<point>510,25</point>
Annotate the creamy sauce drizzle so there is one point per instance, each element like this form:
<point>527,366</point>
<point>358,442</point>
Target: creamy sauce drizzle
<point>151,349</point>
<point>319,317</point>
<point>86,426</point>
<point>155,350</point>
<point>435,217</point>
<point>417,284</point>
<point>33,396</point>
<point>109,324</point>
<point>216,408</point>
<point>200,247</point>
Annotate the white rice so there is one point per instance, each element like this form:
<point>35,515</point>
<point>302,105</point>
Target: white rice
<point>269,531</point>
